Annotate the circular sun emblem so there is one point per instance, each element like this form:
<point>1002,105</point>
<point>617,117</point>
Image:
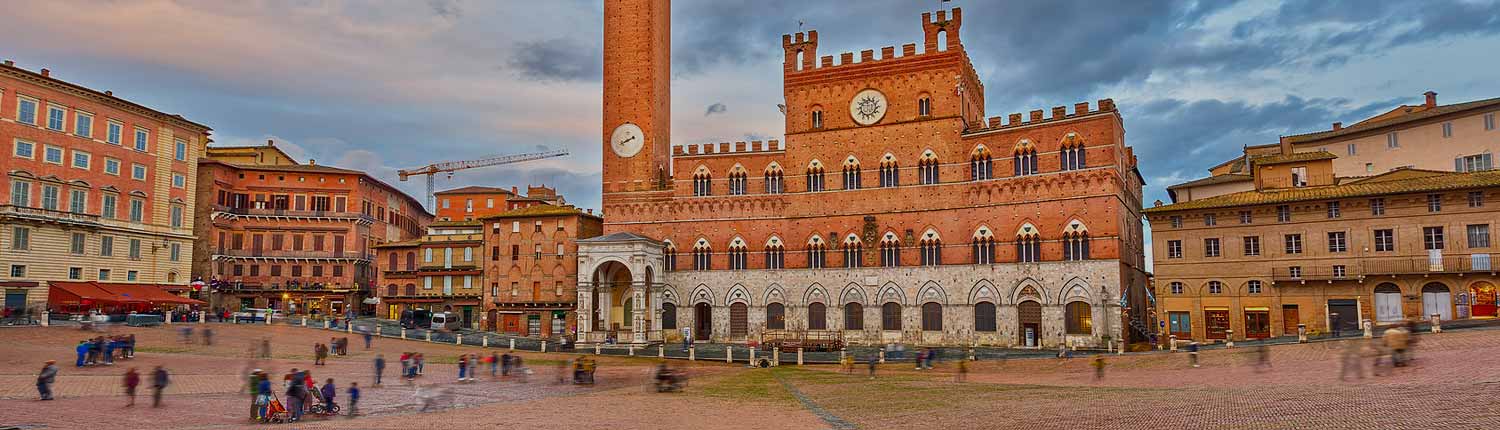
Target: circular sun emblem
<point>867,107</point>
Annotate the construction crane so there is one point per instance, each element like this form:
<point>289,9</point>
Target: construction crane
<point>452,166</point>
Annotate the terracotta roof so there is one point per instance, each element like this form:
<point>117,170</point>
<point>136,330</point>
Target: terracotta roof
<point>541,210</point>
<point>474,190</point>
<point>108,96</point>
<point>401,244</point>
<point>1388,120</point>
<point>1293,157</point>
<point>457,223</point>
<point>1211,180</point>
<point>1394,182</point>
<point>314,168</point>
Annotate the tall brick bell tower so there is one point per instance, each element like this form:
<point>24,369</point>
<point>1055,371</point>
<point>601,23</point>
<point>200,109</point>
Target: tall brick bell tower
<point>637,99</point>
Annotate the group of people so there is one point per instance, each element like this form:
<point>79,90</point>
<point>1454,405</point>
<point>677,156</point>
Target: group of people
<point>1393,349</point>
<point>159,380</point>
<point>302,393</point>
<point>101,350</point>
<point>336,346</point>
<point>186,333</point>
<point>469,365</point>
<point>411,365</point>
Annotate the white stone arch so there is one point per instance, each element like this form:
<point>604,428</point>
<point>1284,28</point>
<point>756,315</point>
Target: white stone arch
<point>851,161</point>
<point>774,242</point>
<point>738,294</point>
<point>1027,229</point>
<point>890,292</point>
<point>1024,144</point>
<point>737,243</point>
<point>702,243</point>
<point>930,234</point>
<point>984,291</point>
<point>702,171</point>
<point>853,293</point>
<point>668,294</point>
<point>1075,225</point>
<point>815,166</point>
<point>853,239</point>
<point>932,292</point>
<point>1076,289</point>
<point>667,245</point>
<point>889,237</point>
<point>980,151</point>
<point>888,159</point>
<point>816,240</point>
<point>984,232</point>
<point>703,294</point>
<point>775,294</point>
<point>1019,292</point>
<point>928,155</point>
<point>774,167</point>
<point>1070,139</point>
<point>737,168</point>
<point>815,294</point>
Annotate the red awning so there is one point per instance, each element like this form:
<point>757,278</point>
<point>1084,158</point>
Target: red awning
<point>147,292</point>
<point>83,293</point>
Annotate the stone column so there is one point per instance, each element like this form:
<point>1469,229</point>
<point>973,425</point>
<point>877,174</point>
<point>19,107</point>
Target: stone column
<point>605,303</point>
<point>638,313</point>
<point>585,312</point>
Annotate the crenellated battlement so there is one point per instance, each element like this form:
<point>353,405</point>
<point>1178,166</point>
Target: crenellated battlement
<point>801,48</point>
<point>1037,116</point>
<point>712,149</point>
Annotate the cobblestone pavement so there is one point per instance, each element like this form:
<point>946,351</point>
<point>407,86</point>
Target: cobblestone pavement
<point>1454,384</point>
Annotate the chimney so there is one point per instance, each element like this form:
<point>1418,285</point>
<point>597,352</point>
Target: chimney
<point>270,142</point>
<point>312,162</point>
<point>591,211</point>
<point>9,63</point>
<point>109,93</point>
<point>1338,126</point>
<point>46,73</point>
<point>1431,96</point>
<point>513,190</point>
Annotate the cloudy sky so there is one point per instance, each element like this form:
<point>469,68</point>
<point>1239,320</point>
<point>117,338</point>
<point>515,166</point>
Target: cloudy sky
<point>382,85</point>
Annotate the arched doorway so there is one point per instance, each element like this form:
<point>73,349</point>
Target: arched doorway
<point>739,320</point>
<point>1388,303</point>
<point>1484,299</point>
<point>668,316</point>
<point>1030,316</point>
<point>703,321</point>
<point>610,297</point>
<point>1437,299</point>
<point>491,319</point>
<point>775,316</point>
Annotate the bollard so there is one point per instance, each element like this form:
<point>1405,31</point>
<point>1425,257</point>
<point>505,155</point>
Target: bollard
<point>1109,347</point>
<point>596,346</point>
<point>661,351</point>
<point>202,317</point>
<point>842,352</point>
<point>325,324</point>
<point>485,341</point>
<point>776,356</point>
<point>1228,338</point>
<point>752,357</point>
<point>428,335</point>
<point>348,326</point>
<point>513,346</point>
<point>692,353</point>
<point>268,317</point>
<point>728,354</point>
<point>403,332</point>
<point>1172,343</point>
<point>882,355</point>
<point>799,356</point>
<point>304,321</point>
<point>1369,328</point>
<point>544,346</point>
<point>1437,323</point>
<point>458,339</point>
<point>169,317</point>
<point>1118,351</point>
<point>972,357</point>
<point>630,350</point>
<point>1301,333</point>
<point>46,315</point>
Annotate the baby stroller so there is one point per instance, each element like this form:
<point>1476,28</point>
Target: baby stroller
<point>275,411</point>
<point>323,406</point>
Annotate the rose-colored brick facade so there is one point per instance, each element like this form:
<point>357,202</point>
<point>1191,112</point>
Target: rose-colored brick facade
<point>935,117</point>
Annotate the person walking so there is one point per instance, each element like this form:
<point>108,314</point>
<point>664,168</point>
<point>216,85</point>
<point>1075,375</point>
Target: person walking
<point>963,370</point>
<point>505,364</point>
<point>1193,354</point>
<point>1262,358</point>
<point>159,381</point>
<point>463,366</point>
<point>83,351</point>
<point>494,361</point>
<point>45,378</point>
<point>1098,364</point>
<point>379,368</point>
<point>368,337</point>
<point>1352,361</point>
<point>873,362</point>
<point>421,362</point>
<point>208,336</point>
<point>132,380</point>
<point>295,392</point>
<point>353,399</point>
<point>265,346</point>
<point>320,354</point>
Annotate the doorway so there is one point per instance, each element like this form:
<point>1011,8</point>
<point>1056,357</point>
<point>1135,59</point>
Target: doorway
<point>1216,323</point>
<point>703,321</point>
<point>1030,316</point>
<point>1436,299</point>
<point>1289,320</point>
<point>739,320</point>
<point>1388,303</point>
<point>1257,323</point>
<point>1343,315</point>
<point>1484,300</point>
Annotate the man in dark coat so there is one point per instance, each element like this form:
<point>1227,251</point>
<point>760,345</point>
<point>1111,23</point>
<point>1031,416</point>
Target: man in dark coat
<point>158,383</point>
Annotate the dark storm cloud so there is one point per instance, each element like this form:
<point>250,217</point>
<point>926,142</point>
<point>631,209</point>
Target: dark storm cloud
<point>1182,139</point>
<point>715,108</point>
<point>558,60</point>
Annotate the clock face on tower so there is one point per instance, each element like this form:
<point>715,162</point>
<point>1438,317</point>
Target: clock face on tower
<point>868,107</point>
<point>627,140</point>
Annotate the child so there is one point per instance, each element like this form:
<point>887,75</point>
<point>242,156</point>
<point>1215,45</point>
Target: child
<point>353,399</point>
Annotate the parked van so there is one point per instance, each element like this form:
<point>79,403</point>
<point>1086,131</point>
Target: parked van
<point>446,321</point>
<point>417,318</point>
